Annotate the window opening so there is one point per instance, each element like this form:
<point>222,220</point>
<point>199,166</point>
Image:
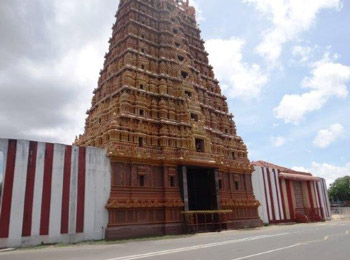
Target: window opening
<point>236,185</point>
<point>194,117</point>
<point>233,155</point>
<point>220,184</point>
<point>140,142</point>
<point>200,145</point>
<point>142,181</point>
<point>172,181</point>
<point>188,93</point>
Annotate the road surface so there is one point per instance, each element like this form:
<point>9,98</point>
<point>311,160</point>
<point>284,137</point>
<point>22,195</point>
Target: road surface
<point>321,241</point>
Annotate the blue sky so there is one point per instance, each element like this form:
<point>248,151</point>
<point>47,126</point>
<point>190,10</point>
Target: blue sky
<point>297,115</point>
<point>283,64</point>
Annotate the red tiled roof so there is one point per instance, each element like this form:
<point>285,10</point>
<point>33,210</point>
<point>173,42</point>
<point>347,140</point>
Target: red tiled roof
<point>280,168</point>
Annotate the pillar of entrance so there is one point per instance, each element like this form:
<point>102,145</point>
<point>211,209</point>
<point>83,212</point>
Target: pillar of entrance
<point>183,175</point>
<point>217,189</point>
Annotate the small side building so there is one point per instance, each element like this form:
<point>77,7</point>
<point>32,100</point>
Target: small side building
<point>286,195</point>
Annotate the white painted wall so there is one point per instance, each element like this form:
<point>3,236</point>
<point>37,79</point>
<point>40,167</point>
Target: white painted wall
<point>3,149</point>
<point>97,191</point>
<point>259,192</point>
<point>325,204</point>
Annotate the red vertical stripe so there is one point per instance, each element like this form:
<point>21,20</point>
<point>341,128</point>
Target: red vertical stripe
<point>310,194</point>
<point>277,193</point>
<point>8,187</point>
<point>319,201</point>
<point>267,202</point>
<point>81,190</point>
<point>324,188</point>
<point>66,190</point>
<point>46,197</point>
<point>290,200</point>
<point>271,195</point>
<point>29,193</point>
<point>282,198</point>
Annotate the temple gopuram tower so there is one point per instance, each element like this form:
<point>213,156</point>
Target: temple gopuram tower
<point>159,112</point>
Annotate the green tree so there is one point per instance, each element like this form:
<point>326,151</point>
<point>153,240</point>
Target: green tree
<point>340,189</point>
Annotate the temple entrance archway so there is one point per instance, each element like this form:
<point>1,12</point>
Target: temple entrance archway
<point>201,196</point>
<point>201,187</point>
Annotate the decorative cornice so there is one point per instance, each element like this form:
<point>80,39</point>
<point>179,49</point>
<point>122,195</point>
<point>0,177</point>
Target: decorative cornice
<point>136,204</point>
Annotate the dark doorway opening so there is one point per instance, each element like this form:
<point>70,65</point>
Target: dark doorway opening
<point>202,194</point>
<point>200,145</point>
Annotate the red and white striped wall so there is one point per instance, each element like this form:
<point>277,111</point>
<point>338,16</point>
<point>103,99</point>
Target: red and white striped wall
<point>267,189</point>
<point>323,199</point>
<point>276,195</point>
<point>52,193</point>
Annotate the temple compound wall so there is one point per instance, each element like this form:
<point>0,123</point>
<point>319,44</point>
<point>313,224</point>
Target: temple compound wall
<point>52,193</point>
<point>289,196</point>
<point>56,193</point>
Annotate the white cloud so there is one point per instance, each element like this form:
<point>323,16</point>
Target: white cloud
<point>289,18</point>
<point>278,141</point>
<point>302,53</point>
<point>326,137</point>
<point>328,79</point>
<point>327,171</point>
<point>241,79</point>
<point>52,76</point>
<point>300,169</point>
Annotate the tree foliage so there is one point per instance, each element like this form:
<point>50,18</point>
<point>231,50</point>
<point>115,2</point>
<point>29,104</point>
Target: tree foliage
<point>340,189</point>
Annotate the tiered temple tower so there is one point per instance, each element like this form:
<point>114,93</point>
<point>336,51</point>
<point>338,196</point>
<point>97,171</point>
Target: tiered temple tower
<point>159,112</point>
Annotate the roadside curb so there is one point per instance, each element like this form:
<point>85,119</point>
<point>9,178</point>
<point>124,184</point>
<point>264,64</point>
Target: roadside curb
<point>7,250</point>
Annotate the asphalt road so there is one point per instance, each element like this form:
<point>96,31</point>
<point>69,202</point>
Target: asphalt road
<point>321,241</point>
